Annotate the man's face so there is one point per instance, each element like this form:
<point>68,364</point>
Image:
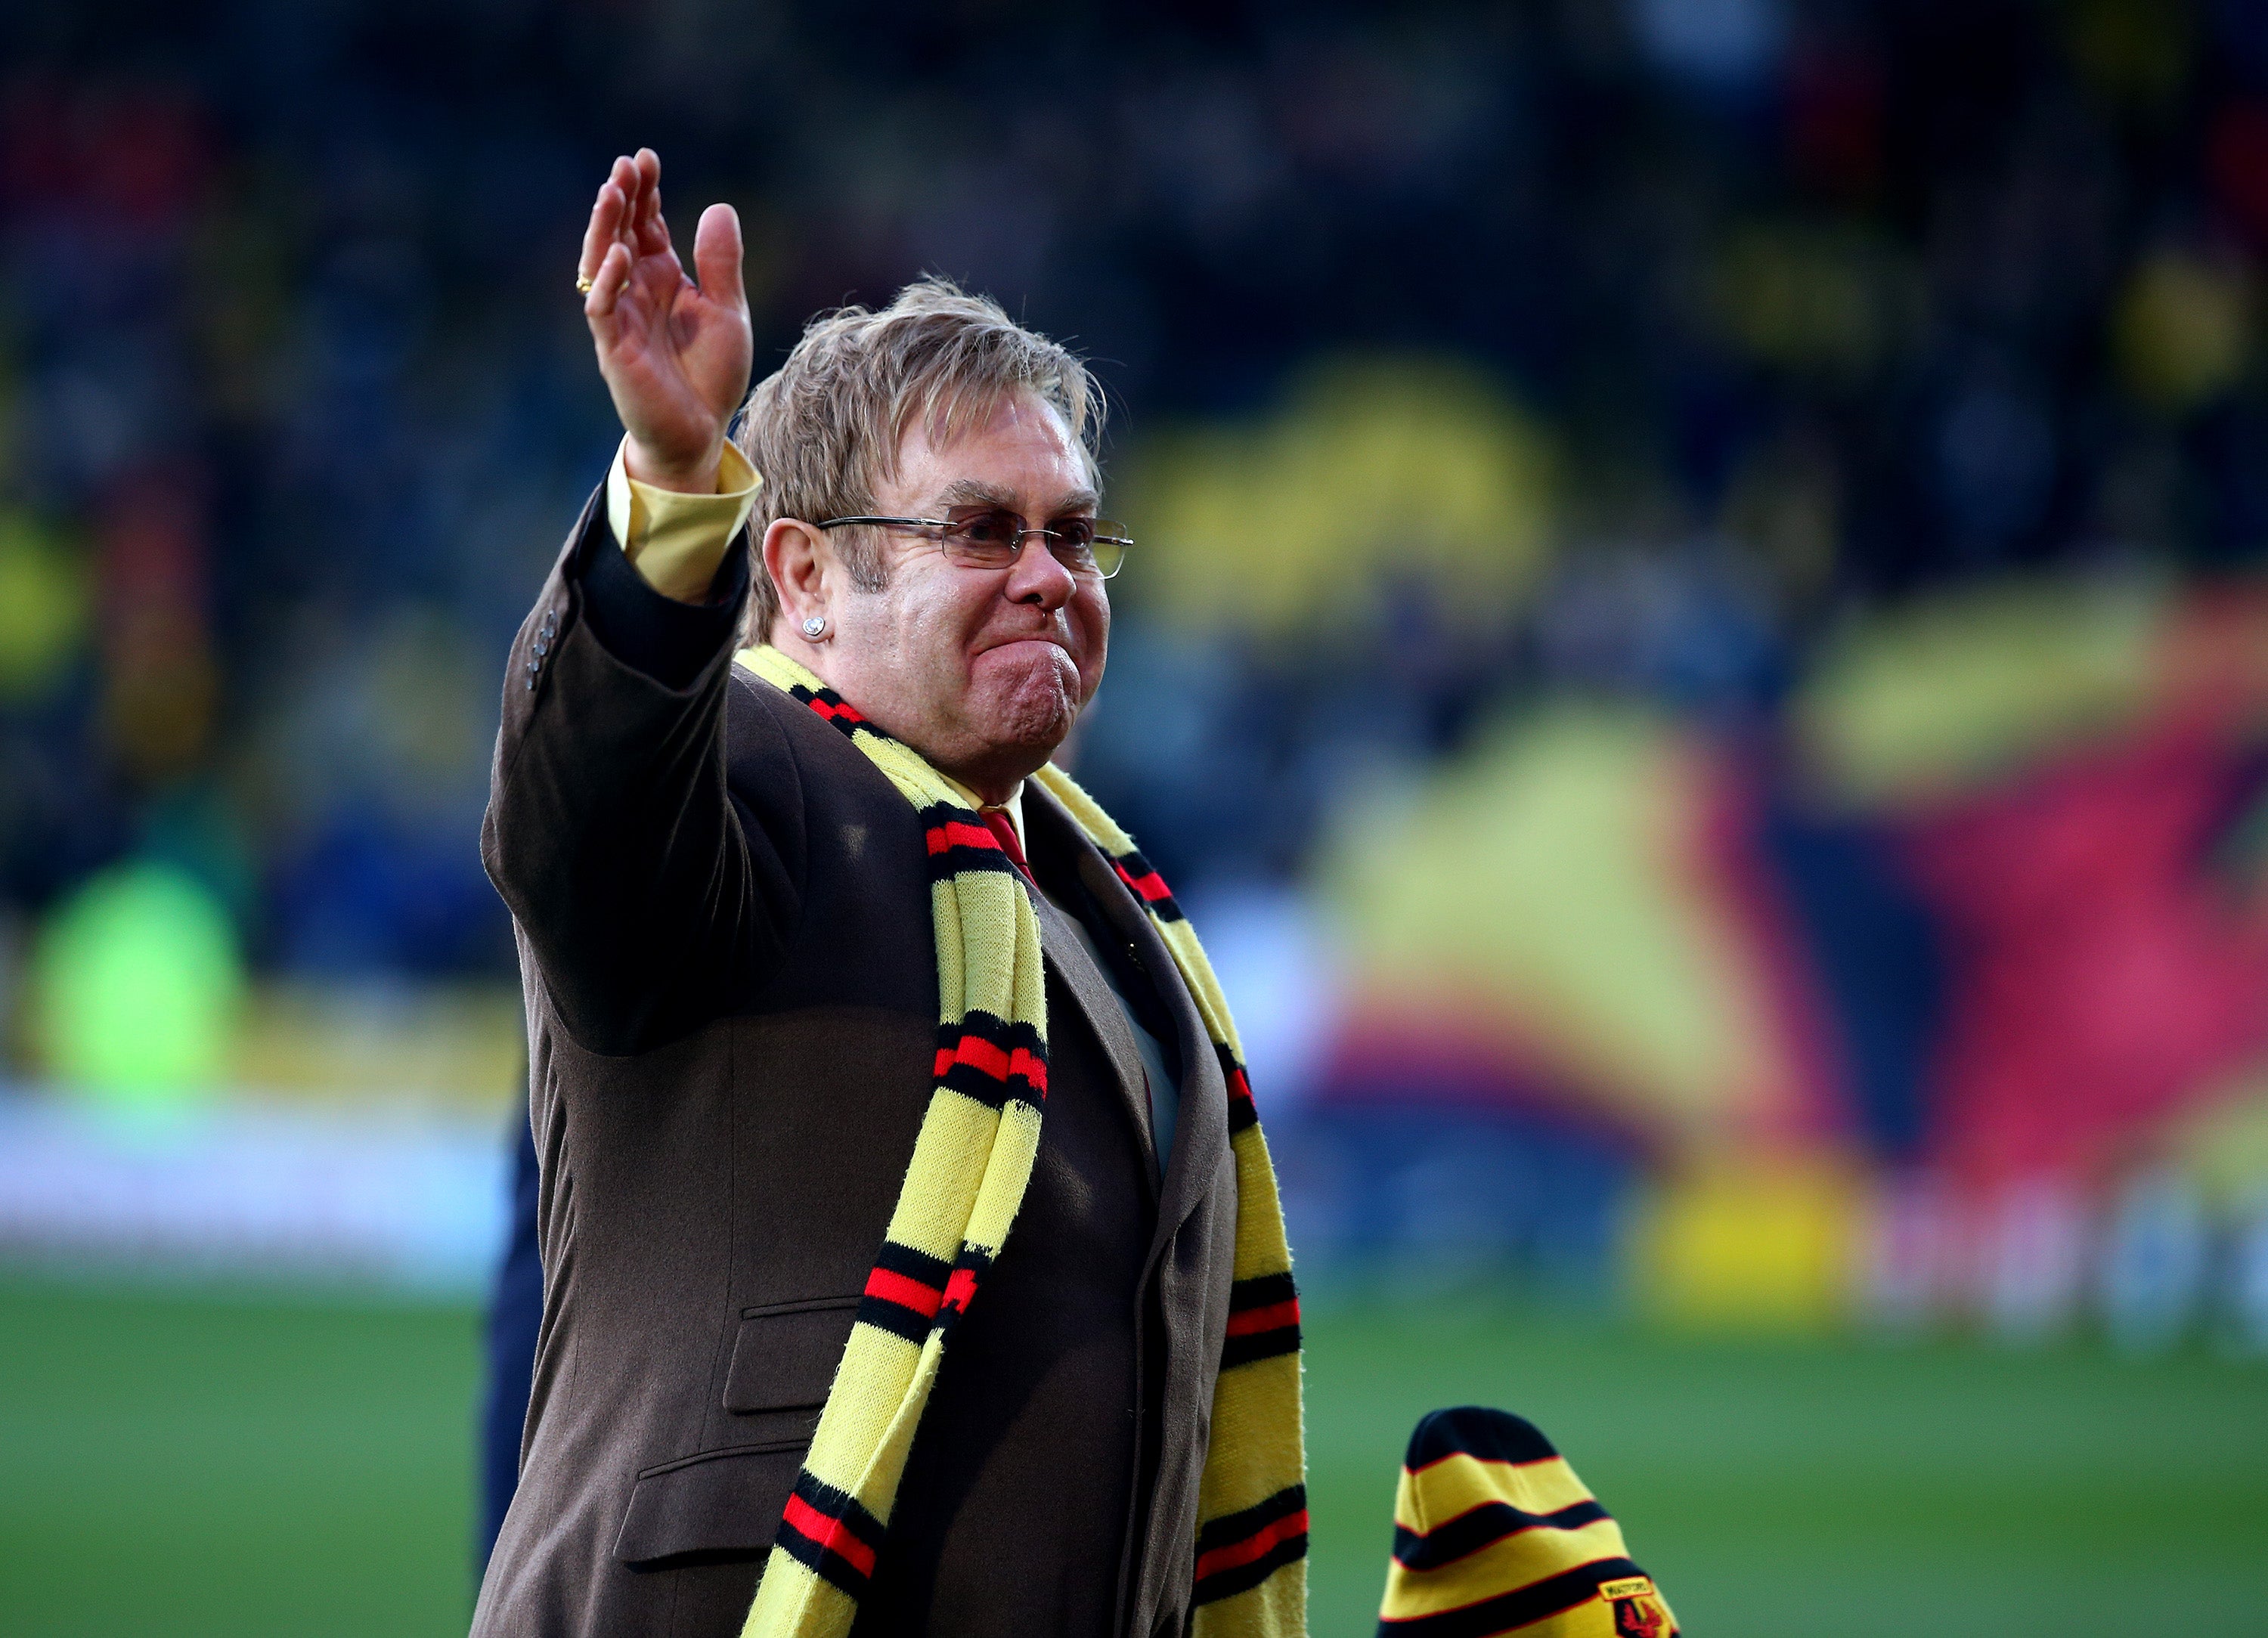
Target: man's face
<point>981,671</point>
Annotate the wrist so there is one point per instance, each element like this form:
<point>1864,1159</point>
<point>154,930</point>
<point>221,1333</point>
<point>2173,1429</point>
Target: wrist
<point>696,476</point>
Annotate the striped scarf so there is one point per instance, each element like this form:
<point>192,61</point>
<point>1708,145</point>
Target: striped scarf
<point>971,1161</point>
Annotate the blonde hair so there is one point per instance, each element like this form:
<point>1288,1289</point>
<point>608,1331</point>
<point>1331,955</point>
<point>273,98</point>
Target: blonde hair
<point>824,428</point>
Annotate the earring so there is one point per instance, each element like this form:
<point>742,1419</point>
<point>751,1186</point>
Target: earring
<point>813,627</point>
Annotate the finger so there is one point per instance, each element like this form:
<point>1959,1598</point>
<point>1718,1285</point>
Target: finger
<point>653,230</point>
<point>605,228</point>
<point>606,283</point>
<point>716,257</point>
<point>631,180</point>
<point>624,180</point>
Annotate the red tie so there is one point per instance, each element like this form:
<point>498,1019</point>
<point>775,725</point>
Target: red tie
<point>996,820</point>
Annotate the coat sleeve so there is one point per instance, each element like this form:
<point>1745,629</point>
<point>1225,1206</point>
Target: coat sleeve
<point>641,885</point>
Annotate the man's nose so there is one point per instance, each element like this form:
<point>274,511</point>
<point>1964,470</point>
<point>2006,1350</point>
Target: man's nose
<point>1038,577</point>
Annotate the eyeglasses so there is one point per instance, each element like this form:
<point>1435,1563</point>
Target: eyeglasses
<point>993,537</point>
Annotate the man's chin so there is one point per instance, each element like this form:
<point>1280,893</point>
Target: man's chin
<point>1026,704</point>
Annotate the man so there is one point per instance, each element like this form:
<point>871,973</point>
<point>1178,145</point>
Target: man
<point>810,940</point>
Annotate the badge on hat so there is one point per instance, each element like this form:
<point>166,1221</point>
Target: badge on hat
<point>1639,1610</point>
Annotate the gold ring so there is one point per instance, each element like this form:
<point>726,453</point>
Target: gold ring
<point>582,284</point>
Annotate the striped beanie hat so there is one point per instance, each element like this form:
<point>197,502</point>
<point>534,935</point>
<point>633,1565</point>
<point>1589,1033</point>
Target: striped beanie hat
<point>1493,1533</point>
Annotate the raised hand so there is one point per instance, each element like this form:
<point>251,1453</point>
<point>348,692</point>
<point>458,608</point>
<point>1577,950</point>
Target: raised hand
<point>674,353</point>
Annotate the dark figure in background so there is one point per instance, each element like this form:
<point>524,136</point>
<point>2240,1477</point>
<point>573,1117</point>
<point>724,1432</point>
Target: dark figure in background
<point>515,1312</point>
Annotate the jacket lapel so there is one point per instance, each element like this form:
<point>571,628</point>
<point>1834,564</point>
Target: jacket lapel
<point>1063,952</point>
<point>1201,1129</point>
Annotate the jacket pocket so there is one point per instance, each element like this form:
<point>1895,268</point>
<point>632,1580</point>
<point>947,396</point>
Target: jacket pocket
<point>721,1504</point>
<point>785,1356</point>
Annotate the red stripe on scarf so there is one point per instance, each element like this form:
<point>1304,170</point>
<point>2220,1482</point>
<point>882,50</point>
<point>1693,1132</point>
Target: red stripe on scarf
<point>1241,1112</point>
<point>959,1289</point>
<point>830,1533</point>
<point>1149,888</point>
<point>1254,1545</point>
<point>981,1054</point>
<point>1268,1318</point>
<point>905,1291</point>
<point>954,833</point>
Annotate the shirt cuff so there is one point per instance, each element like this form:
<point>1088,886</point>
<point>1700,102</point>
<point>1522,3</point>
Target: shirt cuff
<point>673,539</point>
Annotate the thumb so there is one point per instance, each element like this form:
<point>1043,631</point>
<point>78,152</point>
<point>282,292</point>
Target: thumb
<point>717,256</point>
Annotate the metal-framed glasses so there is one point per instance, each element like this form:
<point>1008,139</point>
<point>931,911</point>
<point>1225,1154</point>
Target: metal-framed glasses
<point>993,537</point>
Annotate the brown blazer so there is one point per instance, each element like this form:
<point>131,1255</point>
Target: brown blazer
<point>725,941</point>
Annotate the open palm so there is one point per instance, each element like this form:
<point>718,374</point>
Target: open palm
<point>674,353</point>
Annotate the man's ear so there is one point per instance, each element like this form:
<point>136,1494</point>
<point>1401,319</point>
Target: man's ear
<point>800,564</point>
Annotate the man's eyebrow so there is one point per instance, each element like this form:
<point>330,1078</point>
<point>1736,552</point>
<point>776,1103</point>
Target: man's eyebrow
<point>972,492</point>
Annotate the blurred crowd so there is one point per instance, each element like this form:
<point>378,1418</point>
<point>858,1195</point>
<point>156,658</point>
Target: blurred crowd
<point>1690,551</point>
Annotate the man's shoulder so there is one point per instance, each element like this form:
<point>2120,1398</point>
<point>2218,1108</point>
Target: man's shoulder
<point>749,693</point>
<point>766,732</point>
<point>768,728</point>
<point>757,709</point>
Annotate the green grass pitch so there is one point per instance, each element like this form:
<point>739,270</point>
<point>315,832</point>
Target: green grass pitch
<point>205,1465</point>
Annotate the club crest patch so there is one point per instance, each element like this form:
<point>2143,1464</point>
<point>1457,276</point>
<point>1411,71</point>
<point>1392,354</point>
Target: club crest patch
<point>1637,1608</point>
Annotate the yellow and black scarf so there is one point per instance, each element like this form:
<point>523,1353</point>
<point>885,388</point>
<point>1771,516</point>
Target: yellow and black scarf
<point>961,1190</point>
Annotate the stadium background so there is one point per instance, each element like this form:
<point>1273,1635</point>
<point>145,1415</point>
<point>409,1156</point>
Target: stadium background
<point>1697,649</point>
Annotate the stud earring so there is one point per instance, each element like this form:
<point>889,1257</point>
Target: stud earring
<point>813,627</point>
